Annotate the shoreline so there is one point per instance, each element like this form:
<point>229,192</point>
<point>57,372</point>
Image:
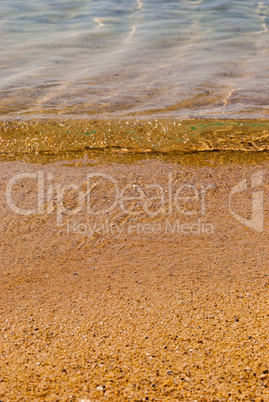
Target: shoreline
<point>51,140</point>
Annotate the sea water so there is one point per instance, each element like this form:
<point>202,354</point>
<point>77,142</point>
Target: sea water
<point>142,58</point>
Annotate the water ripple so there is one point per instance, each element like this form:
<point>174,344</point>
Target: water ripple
<point>110,57</point>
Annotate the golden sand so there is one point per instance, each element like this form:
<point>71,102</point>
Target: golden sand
<point>141,316</point>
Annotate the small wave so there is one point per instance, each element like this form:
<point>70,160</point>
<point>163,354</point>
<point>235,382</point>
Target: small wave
<point>64,139</point>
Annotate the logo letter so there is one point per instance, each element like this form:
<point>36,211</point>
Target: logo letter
<point>256,221</point>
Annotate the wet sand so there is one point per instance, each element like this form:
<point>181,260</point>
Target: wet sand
<point>138,307</point>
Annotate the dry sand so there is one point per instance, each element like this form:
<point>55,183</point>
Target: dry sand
<point>144,315</point>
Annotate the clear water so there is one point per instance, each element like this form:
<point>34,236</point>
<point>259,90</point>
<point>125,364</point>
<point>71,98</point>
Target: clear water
<point>204,58</point>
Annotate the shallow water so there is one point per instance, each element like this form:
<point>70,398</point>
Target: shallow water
<point>167,59</point>
<point>105,141</point>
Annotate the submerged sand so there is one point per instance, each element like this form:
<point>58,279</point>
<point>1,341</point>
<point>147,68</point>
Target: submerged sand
<point>164,314</point>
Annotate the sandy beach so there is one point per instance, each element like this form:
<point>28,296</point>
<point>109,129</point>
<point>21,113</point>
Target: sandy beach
<point>134,201</point>
<point>137,303</point>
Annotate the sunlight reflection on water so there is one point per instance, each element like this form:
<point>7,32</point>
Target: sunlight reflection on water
<point>205,58</point>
